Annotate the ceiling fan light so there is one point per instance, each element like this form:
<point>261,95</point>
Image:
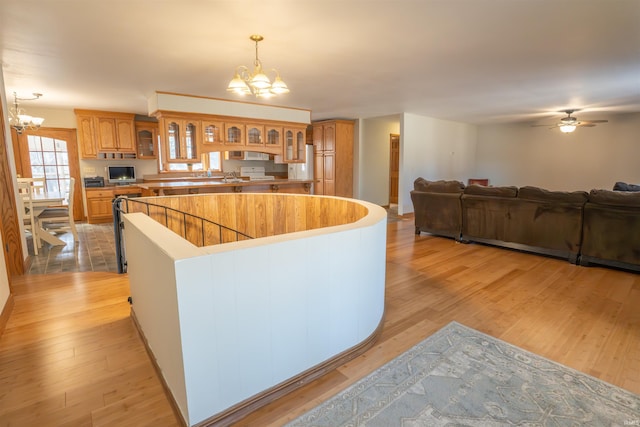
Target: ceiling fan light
<point>567,128</point>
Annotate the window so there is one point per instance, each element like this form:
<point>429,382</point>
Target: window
<point>50,160</point>
<point>208,161</point>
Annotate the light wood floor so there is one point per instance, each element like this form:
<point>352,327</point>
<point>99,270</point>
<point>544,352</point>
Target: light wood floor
<point>70,355</point>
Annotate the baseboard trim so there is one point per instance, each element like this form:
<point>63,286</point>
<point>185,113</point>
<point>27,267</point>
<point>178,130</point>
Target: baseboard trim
<point>6,312</point>
<point>154,362</point>
<point>244,408</point>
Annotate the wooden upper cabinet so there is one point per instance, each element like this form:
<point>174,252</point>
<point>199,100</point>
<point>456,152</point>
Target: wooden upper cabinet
<point>318,138</point>
<point>273,136</point>
<point>126,135</point>
<point>86,136</point>
<point>294,144</point>
<point>234,134</point>
<point>146,140</point>
<point>107,135</point>
<point>181,140</point>
<point>212,134</point>
<point>254,135</point>
<point>105,132</point>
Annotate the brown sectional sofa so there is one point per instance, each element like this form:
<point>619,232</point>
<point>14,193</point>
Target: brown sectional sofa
<point>600,227</point>
<point>611,229</point>
<point>439,205</point>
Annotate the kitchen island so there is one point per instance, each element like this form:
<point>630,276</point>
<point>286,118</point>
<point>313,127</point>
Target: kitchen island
<point>169,188</point>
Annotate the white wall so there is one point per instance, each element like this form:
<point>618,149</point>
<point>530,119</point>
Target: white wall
<point>434,149</point>
<point>373,159</point>
<point>597,157</point>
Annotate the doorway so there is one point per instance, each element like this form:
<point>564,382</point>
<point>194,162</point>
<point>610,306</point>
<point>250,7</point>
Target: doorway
<point>394,167</point>
<point>50,153</point>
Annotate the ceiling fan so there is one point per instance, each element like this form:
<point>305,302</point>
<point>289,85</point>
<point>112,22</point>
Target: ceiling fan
<point>568,124</point>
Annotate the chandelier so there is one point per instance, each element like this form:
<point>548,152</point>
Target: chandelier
<point>21,121</point>
<point>256,82</point>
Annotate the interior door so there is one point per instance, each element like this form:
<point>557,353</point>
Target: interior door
<point>57,164</point>
<point>394,167</point>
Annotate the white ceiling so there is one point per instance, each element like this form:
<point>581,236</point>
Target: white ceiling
<point>475,61</point>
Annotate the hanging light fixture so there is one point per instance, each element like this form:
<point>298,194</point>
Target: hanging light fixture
<point>21,121</point>
<point>256,82</point>
<point>567,128</point>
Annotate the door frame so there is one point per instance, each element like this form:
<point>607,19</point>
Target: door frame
<point>394,161</point>
<point>23,163</point>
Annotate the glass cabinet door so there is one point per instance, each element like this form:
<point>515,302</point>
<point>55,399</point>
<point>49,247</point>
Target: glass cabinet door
<point>300,146</point>
<point>234,134</point>
<point>211,133</point>
<point>254,135</point>
<point>294,141</point>
<point>274,137</point>
<point>190,141</point>
<point>173,141</point>
<point>288,145</point>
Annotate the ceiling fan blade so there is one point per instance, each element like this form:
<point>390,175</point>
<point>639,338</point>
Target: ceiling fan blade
<point>586,125</point>
<point>594,121</point>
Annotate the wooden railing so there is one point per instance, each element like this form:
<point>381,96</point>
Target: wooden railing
<point>211,219</point>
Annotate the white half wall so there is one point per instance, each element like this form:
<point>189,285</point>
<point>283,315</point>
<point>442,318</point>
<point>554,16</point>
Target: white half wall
<point>227,322</point>
<point>597,157</point>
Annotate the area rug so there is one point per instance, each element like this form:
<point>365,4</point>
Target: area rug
<point>462,377</point>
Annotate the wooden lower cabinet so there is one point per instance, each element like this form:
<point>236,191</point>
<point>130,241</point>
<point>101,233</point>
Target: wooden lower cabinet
<point>100,200</point>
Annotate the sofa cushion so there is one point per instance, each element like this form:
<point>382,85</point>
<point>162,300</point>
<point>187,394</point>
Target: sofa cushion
<point>440,186</point>
<point>615,198</point>
<point>481,190</point>
<point>540,194</point>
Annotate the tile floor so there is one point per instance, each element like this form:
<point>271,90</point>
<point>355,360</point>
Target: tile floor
<point>94,252</point>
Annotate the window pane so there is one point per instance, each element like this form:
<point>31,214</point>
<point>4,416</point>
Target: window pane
<point>53,185</point>
<point>50,172</point>
<point>178,167</point>
<point>61,145</point>
<point>37,171</point>
<point>63,158</point>
<point>49,158</point>
<point>35,157</point>
<point>214,161</point>
<point>63,172</point>
<point>47,144</point>
<point>34,143</point>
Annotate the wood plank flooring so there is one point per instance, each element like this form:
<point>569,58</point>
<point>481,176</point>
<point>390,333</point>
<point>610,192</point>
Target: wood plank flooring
<point>70,355</point>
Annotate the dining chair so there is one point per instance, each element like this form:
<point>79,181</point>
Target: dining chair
<point>38,185</point>
<point>28,219</point>
<point>58,219</point>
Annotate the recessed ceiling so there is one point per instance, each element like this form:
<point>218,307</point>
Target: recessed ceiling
<point>474,61</point>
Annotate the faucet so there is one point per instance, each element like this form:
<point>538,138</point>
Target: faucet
<point>231,174</point>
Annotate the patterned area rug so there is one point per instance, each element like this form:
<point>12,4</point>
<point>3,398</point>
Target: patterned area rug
<point>461,377</point>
